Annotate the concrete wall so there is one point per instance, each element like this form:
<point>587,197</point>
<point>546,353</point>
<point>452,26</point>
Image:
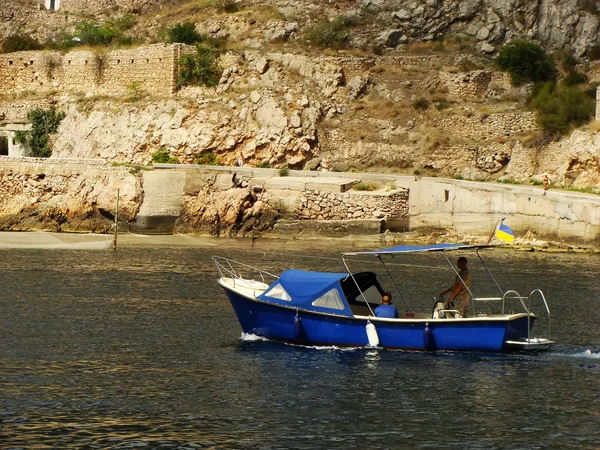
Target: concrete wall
<point>475,208</point>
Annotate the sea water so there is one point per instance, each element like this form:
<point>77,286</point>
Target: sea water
<point>140,348</point>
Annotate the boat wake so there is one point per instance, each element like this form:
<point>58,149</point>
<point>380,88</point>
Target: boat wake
<point>249,337</point>
<point>586,354</point>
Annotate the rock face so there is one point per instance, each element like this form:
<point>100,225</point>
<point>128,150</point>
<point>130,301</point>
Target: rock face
<point>62,197</point>
<point>557,24</point>
<point>225,209</point>
<point>573,162</point>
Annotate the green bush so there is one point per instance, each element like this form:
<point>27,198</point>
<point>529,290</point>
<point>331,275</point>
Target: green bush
<point>184,33</point>
<point>574,78</point>
<point>442,105</point>
<point>60,41</point>
<point>163,156</point>
<point>366,186</point>
<point>135,91</point>
<point>420,104</point>
<point>264,165</point>
<point>125,22</point>
<point>44,122</point>
<point>200,68</point>
<point>19,43</point>
<point>559,107</point>
<point>331,34</point>
<point>207,159</point>
<point>526,61</point>
<point>284,172</point>
<point>90,34</point>
<point>536,182</point>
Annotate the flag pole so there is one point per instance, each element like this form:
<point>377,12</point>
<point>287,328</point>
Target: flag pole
<point>495,230</point>
<point>116,221</point>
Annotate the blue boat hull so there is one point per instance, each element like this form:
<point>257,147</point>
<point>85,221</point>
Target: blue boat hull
<point>282,324</point>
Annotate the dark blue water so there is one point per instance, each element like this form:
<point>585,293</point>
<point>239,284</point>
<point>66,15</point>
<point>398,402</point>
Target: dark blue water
<point>140,348</point>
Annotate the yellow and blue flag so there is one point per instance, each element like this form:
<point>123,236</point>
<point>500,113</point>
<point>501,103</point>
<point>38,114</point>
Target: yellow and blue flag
<point>504,233</point>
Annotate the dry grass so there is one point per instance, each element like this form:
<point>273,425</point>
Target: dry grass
<point>375,107</point>
<point>434,139</point>
<point>591,127</point>
<point>424,48</point>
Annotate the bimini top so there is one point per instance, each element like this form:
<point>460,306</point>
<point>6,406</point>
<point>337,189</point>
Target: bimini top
<point>417,249</point>
<point>312,291</point>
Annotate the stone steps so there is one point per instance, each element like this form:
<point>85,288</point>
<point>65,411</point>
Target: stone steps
<point>163,196</point>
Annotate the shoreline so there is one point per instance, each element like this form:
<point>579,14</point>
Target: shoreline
<point>40,240</point>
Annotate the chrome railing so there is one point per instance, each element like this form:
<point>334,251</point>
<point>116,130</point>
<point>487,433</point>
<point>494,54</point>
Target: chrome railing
<point>228,268</point>
<point>514,295</point>
<point>543,297</point>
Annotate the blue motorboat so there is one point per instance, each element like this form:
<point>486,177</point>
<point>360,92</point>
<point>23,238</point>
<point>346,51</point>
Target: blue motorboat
<point>326,308</point>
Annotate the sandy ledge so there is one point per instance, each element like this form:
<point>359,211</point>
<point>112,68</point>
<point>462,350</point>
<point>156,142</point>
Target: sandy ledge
<point>89,241</point>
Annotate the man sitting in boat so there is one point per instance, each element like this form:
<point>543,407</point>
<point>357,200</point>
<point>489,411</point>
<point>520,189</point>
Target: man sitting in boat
<point>459,289</point>
<point>386,309</point>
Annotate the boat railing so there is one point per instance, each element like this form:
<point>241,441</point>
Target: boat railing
<point>228,268</point>
<point>538,292</point>
<point>508,295</point>
<point>514,295</point>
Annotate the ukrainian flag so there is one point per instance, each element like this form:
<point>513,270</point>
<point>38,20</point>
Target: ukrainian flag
<point>504,233</point>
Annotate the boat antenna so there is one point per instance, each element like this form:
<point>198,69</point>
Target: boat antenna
<point>394,281</point>
<point>495,230</point>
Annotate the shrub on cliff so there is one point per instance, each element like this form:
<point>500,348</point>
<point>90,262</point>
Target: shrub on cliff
<point>200,68</point>
<point>90,34</point>
<point>60,41</point>
<point>561,107</point>
<point>331,34</point>
<point>163,156</point>
<point>19,43</point>
<point>526,61</point>
<point>44,122</point>
<point>184,33</point>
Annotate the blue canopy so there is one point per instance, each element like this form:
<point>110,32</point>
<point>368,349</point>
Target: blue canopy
<point>313,291</point>
<point>417,249</point>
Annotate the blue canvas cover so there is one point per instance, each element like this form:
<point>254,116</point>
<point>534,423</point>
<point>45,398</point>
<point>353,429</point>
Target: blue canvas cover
<point>304,287</point>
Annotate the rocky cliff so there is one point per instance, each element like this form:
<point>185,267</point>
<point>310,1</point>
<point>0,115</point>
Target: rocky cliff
<point>413,90</point>
<point>65,197</point>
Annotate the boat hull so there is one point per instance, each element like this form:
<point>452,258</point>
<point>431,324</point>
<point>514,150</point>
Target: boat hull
<point>310,328</point>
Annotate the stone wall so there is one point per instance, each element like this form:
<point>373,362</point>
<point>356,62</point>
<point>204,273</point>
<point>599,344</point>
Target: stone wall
<point>152,68</point>
<point>315,205</point>
<point>15,111</point>
<point>489,126</point>
<point>466,84</point>
<point>357,66</point>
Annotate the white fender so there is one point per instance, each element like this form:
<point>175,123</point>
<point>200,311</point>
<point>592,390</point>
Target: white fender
<point>372,335</point>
